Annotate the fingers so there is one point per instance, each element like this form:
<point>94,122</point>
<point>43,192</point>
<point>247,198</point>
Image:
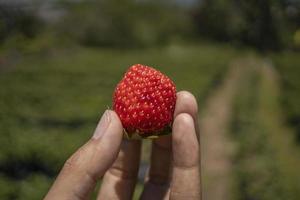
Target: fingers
<point>119,181</point>
<point>187,103</point>
<point>186,170</point>
<point>158,180</point>
<point>160,161</point>
<point>81,171</point>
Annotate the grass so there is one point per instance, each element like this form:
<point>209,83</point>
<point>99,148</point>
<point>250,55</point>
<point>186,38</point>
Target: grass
<point>50,104</point>
<point>288,65</point>
<point>267,158</point>
<point>286,150</point>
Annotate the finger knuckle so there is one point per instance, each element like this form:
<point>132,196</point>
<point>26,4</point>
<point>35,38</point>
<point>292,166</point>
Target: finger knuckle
<point>73,161</point>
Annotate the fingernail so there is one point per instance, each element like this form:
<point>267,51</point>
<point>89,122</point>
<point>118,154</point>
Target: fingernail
<point>102,125</point>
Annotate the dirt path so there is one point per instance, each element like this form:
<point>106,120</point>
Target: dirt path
<point>216,147</point>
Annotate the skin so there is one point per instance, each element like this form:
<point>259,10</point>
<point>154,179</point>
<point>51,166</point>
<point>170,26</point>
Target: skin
<point>174,170</point>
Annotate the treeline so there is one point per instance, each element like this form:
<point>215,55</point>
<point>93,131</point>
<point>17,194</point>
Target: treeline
<point>104,23</point>
<point>125,23</point>
<point>15,19</point>
<point>265,25</point>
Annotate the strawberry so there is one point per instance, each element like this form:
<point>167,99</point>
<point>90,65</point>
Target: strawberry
<point>145,101</point>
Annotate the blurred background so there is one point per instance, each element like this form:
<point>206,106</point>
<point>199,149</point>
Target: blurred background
<point>61,59</point>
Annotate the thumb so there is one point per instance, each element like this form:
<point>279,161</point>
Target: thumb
<point>82,170</point>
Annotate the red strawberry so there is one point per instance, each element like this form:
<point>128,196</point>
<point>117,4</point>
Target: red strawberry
<point>145,101</point>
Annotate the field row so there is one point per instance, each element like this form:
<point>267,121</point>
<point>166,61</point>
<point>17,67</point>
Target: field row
<point>267,157</point>
<point>288,65</point>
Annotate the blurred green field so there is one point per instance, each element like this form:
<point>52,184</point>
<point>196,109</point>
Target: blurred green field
<point>60,61</point>
<point>288,65</point>
<point>50,104</point>
<point>267,158</point>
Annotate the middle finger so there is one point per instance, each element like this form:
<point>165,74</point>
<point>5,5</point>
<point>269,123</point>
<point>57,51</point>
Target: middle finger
<point>119,181</point>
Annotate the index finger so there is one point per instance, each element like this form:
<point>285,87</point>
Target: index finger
<point>82,170</point>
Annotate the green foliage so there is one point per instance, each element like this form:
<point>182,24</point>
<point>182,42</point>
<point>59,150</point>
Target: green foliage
<point>267,158</point>
<point>261,24</point>
<point>42,44</point>
<point>255,175</point>
<point>15,20</point>
<point>8,189</point>
<point>49,106</point>
<point>124,23</point>
<point>213,18</point>
<point>30,188</point>
<point>297,39</point>
<point>288,64</point>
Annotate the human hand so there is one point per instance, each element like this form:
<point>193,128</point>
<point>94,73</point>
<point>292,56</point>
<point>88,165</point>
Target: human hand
<point>175,162</point>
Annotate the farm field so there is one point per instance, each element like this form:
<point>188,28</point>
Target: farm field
<point>266,150</point>
<point>288,64</point>
<point>50,104</point>
<point>248,149</point>
<point>61,60</point>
